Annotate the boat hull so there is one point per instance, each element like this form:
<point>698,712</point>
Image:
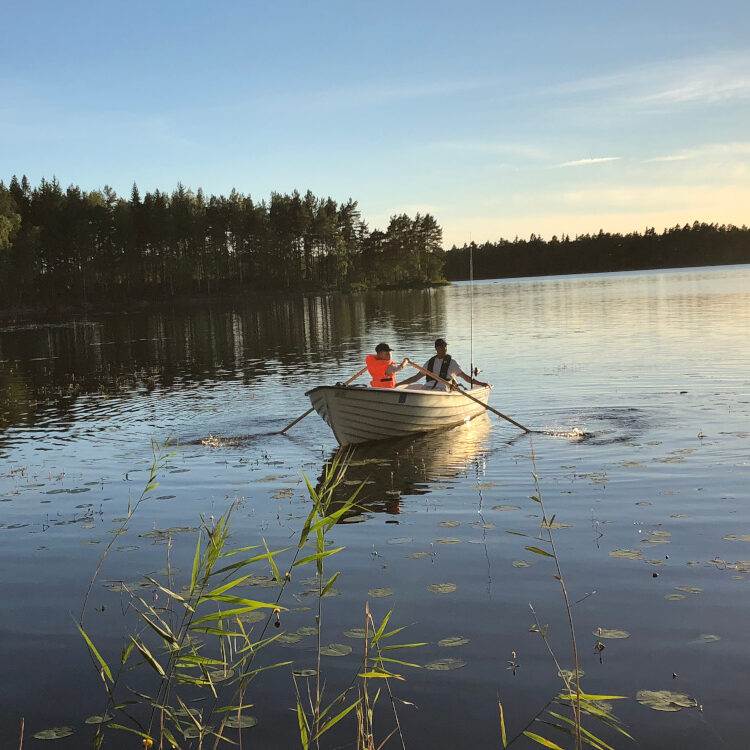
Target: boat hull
<point>360,415</point>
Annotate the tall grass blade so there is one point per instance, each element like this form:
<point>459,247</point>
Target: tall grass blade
<point>96,654</point>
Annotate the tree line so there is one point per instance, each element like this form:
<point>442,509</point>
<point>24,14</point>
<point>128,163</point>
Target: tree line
<point>76,247</point>
<point>696,244</point>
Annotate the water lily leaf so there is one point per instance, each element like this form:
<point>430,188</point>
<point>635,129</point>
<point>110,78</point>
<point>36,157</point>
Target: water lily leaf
<point>665,700</point>
<point>609,633</point>
<point>400,540</point>
<point>98,719</point>
<point>192,733</point>
<point>355,633</point>
<point>570,674</point>
<point>289,638</point>
<point>307,630</point>
<point>220,675</point>
<point>357,518</point>
<point>628,554</point>
<point>445,665</point>
<point>305,672</point>
<point>737,537</point>
<point>506,507</point>
<point>450,524</point>
<point>480,525</point>
<point>417,555</point>
<point>448,540</point>
<point>55,733</point>
<point>455,640</point>
<point>442,588</point>
<point>252,616</point>
<point>674,597</point>
<point>521,564</point>
<point>243,722</point>
<point>379,593</point>
<point>689,589</point>
<point>707,638</point>
<point>336,649</point>
<point>660,533</point>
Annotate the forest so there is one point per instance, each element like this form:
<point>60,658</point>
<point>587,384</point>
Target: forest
<point>74,248</point>
<point>696,244</point>
<point>71,247</point>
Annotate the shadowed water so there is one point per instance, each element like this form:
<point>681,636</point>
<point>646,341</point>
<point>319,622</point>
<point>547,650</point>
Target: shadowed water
<point>640,381</point>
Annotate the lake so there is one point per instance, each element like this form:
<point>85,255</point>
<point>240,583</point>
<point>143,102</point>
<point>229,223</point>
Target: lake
<point>651,504</point>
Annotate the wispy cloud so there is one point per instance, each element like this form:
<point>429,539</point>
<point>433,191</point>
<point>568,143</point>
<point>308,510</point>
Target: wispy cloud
<point>707,79</point>
<point>708,151</point>
<point>585,162</point>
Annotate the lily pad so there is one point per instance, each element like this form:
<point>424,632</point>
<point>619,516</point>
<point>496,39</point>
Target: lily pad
<point>447,540</point>
<point>358,518</point>
<point>289,638</point>
<point>570,674</point>
<point>379,593</point>
<point>442,588</point>
<point>708,638</point>
<point>445,665</point>
<point>627,554</point>
<point>242,722</point>
<point>417,555</point>
<point>55,733</point>
<point>450,524</point>
<point>336,649</point>
<point>99,719</point>
<point>307,630</point>
<point>610,633</point>
<point>252,616</point>
<point>355,633</point>
<point>737,537</point>
<point>674,597</point>
<point>220,675</point>
<point>400,540</point>
<point>506,507</point>
<point>304,672</point>
<point>665,700</point>
<point>689,589</point>
<point>521,564</point>
<point>455,640</point>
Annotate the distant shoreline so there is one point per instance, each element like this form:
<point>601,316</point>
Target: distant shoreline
<point>41,314</point>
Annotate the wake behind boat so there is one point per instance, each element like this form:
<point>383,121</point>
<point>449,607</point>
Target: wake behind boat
<point>358,414</point>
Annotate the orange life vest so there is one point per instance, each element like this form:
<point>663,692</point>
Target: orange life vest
<point>377,368</point>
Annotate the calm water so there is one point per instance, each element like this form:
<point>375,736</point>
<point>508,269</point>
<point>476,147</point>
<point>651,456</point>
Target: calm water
<point>653,366</point>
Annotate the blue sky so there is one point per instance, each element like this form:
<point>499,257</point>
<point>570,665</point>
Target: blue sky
<point>499,118</point>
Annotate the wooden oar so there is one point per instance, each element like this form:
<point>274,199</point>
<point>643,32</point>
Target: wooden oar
<point>311,410</point>
<point>468,395</point>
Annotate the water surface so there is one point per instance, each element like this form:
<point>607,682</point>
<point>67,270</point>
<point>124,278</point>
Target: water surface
<point>652,366</point>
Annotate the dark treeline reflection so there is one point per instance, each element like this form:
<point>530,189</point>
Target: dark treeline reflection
<point>72,247</point>
<point>295,339</point>
<point>696,244</point>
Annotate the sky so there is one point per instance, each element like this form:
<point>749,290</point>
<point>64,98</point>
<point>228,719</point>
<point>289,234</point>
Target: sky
<point>500,118</point>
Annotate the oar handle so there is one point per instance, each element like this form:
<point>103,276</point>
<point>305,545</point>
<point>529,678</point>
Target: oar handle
<point>312,409</point>
<point>468,395</point>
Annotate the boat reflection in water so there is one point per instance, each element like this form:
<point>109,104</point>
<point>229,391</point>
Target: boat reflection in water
<point>394,469</point>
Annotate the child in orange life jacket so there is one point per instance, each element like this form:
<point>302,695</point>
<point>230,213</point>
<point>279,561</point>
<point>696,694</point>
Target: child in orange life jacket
<point>382,368</point>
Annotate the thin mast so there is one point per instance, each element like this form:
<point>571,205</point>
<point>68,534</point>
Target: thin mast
<point>471,309</point>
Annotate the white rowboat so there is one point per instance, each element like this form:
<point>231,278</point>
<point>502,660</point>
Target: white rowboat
<point>358,414</point>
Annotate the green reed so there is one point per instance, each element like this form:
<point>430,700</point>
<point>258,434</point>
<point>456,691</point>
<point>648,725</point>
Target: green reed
<point>572,699</point>
<point>198,648</point>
